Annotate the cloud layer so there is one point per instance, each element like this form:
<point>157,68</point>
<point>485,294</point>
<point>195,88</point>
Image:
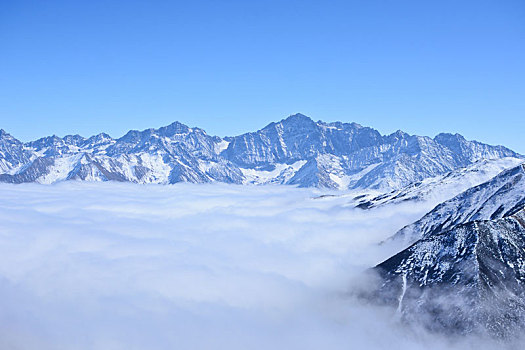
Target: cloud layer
<point>122,266</point>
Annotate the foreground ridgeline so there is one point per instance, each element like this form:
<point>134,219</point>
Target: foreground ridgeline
<point>465,272</point>
<point>296,151</point>
<point>500,197</point>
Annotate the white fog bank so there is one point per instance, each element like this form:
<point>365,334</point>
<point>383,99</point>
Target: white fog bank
<point>123,266</point>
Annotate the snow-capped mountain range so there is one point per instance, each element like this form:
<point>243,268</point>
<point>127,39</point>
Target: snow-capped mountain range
<point>465,273</point>
<point>295,151</point>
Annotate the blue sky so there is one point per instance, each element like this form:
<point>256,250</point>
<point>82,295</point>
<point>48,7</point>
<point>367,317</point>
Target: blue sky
<point>234,66</point>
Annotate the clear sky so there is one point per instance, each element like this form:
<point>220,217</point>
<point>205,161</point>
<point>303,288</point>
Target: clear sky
<point>234,66</point>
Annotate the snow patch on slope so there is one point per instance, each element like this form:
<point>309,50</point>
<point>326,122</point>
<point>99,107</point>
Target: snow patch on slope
<point>280,174</point>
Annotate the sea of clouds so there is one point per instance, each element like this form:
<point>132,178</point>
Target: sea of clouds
<point>123,266</point>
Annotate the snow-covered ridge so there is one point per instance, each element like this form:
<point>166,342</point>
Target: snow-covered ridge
<point>464,268</point>
<point>499,197</point>
<point>467,279</point>
<point>296,151</point>
<point>443,187</point>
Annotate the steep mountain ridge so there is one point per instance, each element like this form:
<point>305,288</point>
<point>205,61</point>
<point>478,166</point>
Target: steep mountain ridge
<point>464,271</point>
<point>295,151</point>
<point>468,279</point>
<point>497,198</point>
<point>443,187</point>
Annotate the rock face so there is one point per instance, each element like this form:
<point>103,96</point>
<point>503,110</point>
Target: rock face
<point>296,151</point>
<point>466,272</point>
<point>469,279</point>
<point>12,152</point>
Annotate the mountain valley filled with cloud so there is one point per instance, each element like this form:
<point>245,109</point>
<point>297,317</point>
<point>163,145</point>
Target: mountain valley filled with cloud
<point>125,266</point>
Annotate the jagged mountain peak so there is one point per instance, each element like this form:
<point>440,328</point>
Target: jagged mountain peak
<point>399,134</point>
<point>47,139</point>
<point>292,123</point>
<point>4,135</point>
<point>298,117</point>
<point>131,134</point>
<point>446,136</point>
<point>45,142</point>
<point>174,128</point>
<point>455,142</point>
<point>340,126</point>
<point>75,140</point>
<point>99,137</point>
<point>301,119</point>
